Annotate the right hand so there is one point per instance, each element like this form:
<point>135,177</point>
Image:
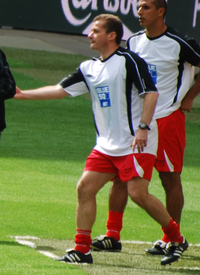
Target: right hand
<point>18,94</point>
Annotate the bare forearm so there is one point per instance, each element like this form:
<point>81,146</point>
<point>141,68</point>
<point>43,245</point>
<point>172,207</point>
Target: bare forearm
<point>187,102</point>
<point>149,107</point>
<point>195,89</point>
<point>44,93</point>
<point>140,140</point>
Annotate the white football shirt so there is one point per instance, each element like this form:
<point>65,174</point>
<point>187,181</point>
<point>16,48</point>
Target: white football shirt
<point>117,86</point>
<point>170,58</point>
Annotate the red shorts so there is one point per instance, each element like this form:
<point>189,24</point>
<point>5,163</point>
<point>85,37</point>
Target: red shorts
<point>171,142</point>
<point>124,167</point>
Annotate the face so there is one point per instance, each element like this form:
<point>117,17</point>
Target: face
<point>98,36</point>
<point>148,14</point>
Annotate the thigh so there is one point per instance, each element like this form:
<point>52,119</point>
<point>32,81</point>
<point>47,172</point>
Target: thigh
<point>91,182</point>
<point>170,179</point>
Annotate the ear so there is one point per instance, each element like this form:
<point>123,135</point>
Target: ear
<point>112,35</point>
<point>161,12</point>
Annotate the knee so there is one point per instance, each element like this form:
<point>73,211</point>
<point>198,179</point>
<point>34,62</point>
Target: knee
<point>84,190</point>
<point>138,191</point>
<point>137,196</point>
<point>80,189</point>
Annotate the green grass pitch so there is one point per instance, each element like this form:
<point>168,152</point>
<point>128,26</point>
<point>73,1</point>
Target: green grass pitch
<point>42,155</point>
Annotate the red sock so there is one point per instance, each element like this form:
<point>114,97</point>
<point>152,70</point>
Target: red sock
<point>83,240</point>
<point>173,232</point>
<point>114,225</point>
<point>165,238</point>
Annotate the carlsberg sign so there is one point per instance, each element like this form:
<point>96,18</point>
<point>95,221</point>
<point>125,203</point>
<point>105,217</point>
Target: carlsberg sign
<point>76,16</point>
<point>80,13</point>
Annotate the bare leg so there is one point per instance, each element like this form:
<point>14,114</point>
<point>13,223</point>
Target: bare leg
<point>171,182</point>
<point>138,191</point>
<point>119,191</point>
<point>117,202</point>
<point>88,186</point>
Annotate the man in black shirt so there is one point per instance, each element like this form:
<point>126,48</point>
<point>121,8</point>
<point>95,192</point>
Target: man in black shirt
<point>7,88</point>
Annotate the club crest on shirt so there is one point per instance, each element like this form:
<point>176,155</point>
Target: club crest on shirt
<point>104,96</point>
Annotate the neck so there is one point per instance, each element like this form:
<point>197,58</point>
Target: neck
<point>154,31</point>
<point>108,51</point>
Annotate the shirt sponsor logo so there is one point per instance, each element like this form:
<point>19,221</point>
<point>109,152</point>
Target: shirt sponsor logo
<point>104,96</point>
<point>153,72</point>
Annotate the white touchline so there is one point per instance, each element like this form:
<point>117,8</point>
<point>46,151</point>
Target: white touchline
<point>48,254</point>
<point>19,238</point>
<point>136,242</point>
<point>27,243</point>
<point>24,237</point>
<point>23,241</point>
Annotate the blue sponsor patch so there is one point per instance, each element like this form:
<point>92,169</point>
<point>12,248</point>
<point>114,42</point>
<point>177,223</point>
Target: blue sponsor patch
<point>104,96</point>
<point>153,72</point>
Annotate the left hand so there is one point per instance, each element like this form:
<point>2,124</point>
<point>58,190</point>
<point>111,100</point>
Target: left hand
<point>140,140</point>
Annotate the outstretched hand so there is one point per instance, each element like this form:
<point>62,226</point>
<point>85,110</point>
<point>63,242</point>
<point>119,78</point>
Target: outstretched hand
<point>18,94</point>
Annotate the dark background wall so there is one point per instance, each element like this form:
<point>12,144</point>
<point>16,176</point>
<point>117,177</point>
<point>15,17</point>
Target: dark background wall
<point>75,16</point>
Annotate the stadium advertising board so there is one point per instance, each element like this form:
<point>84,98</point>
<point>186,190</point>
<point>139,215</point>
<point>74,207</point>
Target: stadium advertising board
<point>75,16</point>
<point>79,13</point>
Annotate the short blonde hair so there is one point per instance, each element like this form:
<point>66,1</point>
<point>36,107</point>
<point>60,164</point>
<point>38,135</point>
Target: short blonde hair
<point>112,24</point>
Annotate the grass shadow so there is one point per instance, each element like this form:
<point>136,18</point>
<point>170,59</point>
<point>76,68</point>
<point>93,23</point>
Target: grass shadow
<point>9,243</point>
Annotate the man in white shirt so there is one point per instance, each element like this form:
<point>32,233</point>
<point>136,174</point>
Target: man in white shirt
<point>170,57</point>
<point>123,102</point>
